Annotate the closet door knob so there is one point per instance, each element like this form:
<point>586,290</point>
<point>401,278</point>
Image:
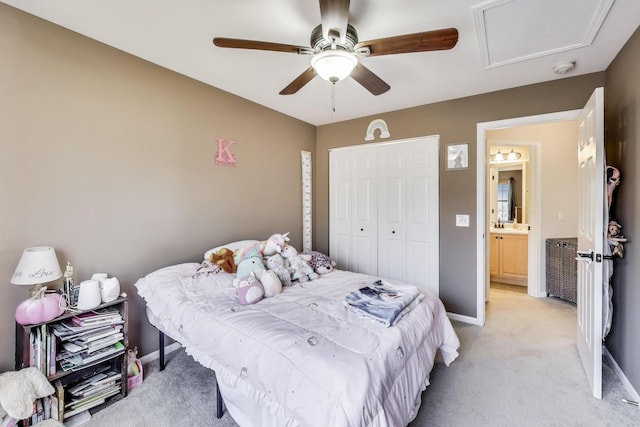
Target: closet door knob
<point>393,232</point>
<point>362,229</point>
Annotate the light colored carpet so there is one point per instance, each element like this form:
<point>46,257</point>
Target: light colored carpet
<point>521,369</point>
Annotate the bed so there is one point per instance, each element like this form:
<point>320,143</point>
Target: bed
<point>301,357</point>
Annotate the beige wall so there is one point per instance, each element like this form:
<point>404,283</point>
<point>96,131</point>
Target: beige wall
<point>455,121</point>
<point>110,160</point>
<point>622,124</point>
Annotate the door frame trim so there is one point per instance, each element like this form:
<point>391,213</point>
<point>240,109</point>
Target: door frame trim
<point>482,226</point>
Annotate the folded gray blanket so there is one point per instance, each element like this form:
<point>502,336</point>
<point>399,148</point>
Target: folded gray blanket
<point>383,302</point>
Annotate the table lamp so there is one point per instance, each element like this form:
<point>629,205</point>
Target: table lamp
<point>37,266</point>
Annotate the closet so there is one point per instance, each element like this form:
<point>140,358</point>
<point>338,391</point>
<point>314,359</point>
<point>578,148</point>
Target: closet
<point>383,210</point>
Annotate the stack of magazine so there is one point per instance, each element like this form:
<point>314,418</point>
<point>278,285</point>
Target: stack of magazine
<point>89,338</point>
<point>92,391</point>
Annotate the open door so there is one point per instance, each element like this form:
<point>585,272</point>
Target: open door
<point>591,216</point>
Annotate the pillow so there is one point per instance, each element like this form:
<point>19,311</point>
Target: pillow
<point>234,246</point>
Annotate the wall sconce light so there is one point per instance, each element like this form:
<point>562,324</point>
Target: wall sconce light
<point>498,157</point>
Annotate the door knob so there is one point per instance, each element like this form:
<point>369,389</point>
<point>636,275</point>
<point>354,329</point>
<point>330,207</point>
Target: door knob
<point>585,256</point>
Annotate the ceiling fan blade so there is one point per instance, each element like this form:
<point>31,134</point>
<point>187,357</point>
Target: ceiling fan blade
<point>258,45</point>
<point>419,42</point>
<point>369,80</point>
<point>334,16</point>
<point>299,82</point>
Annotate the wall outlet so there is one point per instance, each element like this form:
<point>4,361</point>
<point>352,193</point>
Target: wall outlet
<point>462,220</point>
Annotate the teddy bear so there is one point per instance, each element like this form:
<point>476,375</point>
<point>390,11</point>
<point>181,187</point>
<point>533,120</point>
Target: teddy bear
<point>224,259</point>
<point>278,265</point>
<point>18,391</point>
<point>299,267</point>
<point>320,262</point>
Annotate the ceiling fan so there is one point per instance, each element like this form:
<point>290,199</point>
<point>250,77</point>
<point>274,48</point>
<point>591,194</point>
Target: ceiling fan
<point>335,49</point>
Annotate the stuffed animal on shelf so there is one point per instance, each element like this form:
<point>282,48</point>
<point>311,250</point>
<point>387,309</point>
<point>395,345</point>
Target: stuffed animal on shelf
<point>278,264</point>
<point>299,267</point>
<point>250,290</point>
<point>321,263</point>
<point>18,391</point>
<point>274,244</point>
<point>224,259</point>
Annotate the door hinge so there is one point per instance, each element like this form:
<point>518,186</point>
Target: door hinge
<point>598,257</point>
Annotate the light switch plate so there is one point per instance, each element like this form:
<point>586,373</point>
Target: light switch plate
<point>462,220</point>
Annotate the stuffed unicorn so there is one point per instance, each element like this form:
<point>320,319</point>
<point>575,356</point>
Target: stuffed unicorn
<point>274,244</point>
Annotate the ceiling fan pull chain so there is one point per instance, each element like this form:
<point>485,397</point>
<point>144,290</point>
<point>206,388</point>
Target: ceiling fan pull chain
<point>333,99</point>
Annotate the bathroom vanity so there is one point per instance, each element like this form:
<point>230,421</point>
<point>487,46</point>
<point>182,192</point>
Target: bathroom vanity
<point>509,255</point>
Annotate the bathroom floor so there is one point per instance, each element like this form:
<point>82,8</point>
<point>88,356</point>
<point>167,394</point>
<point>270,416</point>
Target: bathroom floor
<point>503,287</point>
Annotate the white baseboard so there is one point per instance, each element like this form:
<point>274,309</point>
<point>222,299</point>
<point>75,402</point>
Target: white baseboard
<point>464,319</point>
<point>155,355</point>
<point>633,394</point>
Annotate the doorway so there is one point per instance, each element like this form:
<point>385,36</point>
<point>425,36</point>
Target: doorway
<point>536,266</point>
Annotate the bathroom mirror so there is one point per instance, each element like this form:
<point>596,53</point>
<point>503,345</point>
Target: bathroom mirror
<point>509,192</point>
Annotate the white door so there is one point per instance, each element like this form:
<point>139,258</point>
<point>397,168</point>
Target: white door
<point>365,211</point>
<point>592,205</point>
<point>392,212</point>
<point>352,209</point>
<point>408,241</point>
<point>422,223</point>
<point>340,208</point>
<point>383,210</point>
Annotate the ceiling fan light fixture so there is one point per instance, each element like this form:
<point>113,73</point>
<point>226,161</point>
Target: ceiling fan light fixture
<point>334,65</point>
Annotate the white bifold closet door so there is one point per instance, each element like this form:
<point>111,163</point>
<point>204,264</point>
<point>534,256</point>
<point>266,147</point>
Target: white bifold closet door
<point>384,210</point>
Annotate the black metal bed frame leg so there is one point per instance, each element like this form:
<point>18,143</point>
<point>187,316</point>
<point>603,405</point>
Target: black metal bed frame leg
<point>161,349</point>
<point>219,401</point>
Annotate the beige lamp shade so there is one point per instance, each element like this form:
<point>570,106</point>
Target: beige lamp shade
<point>37,265</point>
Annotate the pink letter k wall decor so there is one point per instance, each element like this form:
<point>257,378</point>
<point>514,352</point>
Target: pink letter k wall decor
<point>224,156</point>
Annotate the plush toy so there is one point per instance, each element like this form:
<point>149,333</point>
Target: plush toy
<point>250,290</point>
<point>278,265</point>
<point>42,307</point>
<point>270,282</point>
<point>19,389</point>
<point>206,268</point>
<point>613,180</point>
<point>274,244</point>
<point>224,259</point>
<point>299,267</point>
<point>321,263</point>
<point>250,264</point>
<point>616,239</point>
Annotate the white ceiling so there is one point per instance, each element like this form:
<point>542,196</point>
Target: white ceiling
<point>502,44</point>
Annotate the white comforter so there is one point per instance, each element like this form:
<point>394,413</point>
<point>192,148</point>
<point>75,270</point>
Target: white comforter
<point>301,357</point>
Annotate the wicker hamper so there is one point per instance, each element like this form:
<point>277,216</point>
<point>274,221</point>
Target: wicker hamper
<point>561,267</point>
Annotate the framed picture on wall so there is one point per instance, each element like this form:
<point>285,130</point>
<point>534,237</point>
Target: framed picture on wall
<point>457,156</point>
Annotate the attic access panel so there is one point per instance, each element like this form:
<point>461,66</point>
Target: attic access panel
<point>512,31</point>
